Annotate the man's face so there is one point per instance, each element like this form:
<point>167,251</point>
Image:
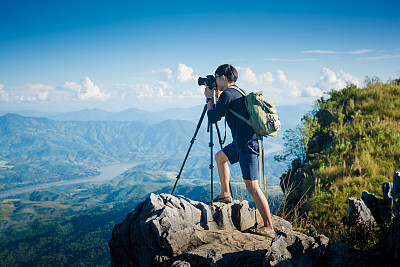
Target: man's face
<point>220,81</point>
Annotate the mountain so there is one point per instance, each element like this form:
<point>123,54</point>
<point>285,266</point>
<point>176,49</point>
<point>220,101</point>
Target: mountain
<point>290,115</point>
<point>43,150</point>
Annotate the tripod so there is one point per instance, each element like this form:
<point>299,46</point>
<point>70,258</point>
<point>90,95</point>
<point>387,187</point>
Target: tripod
<point>211,145</point>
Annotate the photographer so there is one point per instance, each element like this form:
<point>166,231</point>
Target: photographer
<point>244,148</point>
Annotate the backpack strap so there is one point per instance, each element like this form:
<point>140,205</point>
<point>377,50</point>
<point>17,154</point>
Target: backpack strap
<point>261,162</point>
<point>244,93</point>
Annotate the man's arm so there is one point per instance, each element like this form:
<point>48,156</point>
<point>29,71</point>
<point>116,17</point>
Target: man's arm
<point>216,113</point>
<point>209,96</point>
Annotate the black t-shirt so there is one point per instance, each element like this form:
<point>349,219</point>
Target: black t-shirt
<point>233,99</point>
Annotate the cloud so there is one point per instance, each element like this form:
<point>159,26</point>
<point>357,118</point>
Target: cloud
<point>27,93</point>
<point>86,90</point>
<point>311,91</point>
<point>162,74</point>
<point>362,51</point>
<point>279,86</point>
<point>329,80</point>
<point>162,83</point>
<point>290,60</point>
<point>3,94</point>
<point>246,74</point>
<point>379,57</point>
<point>185,73</point>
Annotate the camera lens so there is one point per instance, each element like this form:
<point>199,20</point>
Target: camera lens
<point>202,81</point>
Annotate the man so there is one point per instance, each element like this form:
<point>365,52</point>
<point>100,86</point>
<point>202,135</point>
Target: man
<point>244,148</point>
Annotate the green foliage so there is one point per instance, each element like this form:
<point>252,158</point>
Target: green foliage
<point>363,154</point>
<point>77,241</point>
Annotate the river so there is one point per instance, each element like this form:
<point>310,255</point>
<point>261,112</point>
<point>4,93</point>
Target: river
<point>107,173</point>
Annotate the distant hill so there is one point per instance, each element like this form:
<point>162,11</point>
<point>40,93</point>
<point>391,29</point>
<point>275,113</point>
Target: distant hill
<point>43,150</point>
<point>290,115</point>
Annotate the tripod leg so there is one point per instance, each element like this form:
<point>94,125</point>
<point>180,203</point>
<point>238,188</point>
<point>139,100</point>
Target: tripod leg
<point>211,144</point>
<point>190,147</point>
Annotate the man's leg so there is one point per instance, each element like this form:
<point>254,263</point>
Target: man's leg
<point>223,171</point>
<point>261,203</point>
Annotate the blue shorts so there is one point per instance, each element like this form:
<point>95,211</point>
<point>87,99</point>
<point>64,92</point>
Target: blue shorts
<point>247,158</point>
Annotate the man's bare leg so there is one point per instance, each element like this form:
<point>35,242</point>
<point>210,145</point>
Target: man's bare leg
<point>224,173</point>
<point>261,203</point>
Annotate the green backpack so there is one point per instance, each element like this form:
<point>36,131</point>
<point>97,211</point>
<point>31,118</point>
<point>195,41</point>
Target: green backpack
<point>262,113</point>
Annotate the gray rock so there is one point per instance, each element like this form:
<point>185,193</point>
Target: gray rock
<point>396,192</point>
<point>396,185</point>
<point>341,254</point>
<point>295,249</point>
<point>180,264</point>
<point>360,214</point>
<point>164,227</point>
<point>385,205</point>
<point>165,230</point>
<point>371,201</point>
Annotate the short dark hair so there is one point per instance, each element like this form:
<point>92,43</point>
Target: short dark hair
<point>229,71</point>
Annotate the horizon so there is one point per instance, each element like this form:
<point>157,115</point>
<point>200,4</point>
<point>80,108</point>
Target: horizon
<point>74,55</point>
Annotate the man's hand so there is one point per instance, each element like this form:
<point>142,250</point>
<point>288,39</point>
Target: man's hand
<point>208,93</point>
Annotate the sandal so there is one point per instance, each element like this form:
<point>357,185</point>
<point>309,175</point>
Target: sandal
<point>261,231</point>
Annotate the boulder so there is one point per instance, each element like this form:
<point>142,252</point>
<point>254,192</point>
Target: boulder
<point>360,214</point>
<point>165,230</point>
<point>372,203</point>
<point>296,249</point>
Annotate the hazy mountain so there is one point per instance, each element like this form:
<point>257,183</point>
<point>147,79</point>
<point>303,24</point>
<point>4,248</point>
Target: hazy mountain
<point>290,115</point>
<point>43,150</point>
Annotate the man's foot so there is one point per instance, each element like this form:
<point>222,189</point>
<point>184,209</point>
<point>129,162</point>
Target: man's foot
<point>225,200</point>
<point>261,231</point>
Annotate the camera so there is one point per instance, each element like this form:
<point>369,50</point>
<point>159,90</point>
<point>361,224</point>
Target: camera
<point>209,81</point>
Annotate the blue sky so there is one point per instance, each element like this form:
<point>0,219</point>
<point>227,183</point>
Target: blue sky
<point>113,55</point>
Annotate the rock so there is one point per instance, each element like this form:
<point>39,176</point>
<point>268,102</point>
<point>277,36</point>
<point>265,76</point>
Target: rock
<point>295,249</point>
<point>385,204</point>
<point>165,230</point>
<point>321,142</point>
<point>396,191</point>
<point>371,201</point>
<point>393,240</point>
<point>341,254</point>
<point>326,117</point>
<point>360,214</point>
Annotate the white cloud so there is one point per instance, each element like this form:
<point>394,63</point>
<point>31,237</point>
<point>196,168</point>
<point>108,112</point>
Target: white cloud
<point>362,51</point>
<point>86,90</point>
<point>185,73</point>
<point>379,57</point>
<point>279,86</point>
<point>329,80</point>
<point>162,74</point>
<point>3,94</point>
<point>246,74</point>
<point>311,91</point>
<point>290,60</point>
<point>292,87</point>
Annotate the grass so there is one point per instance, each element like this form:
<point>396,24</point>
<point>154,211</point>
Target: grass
<point>363,154</point>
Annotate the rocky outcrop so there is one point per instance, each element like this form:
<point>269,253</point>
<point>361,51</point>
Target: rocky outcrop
<point>165,230</point>
<point>370,212</point>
